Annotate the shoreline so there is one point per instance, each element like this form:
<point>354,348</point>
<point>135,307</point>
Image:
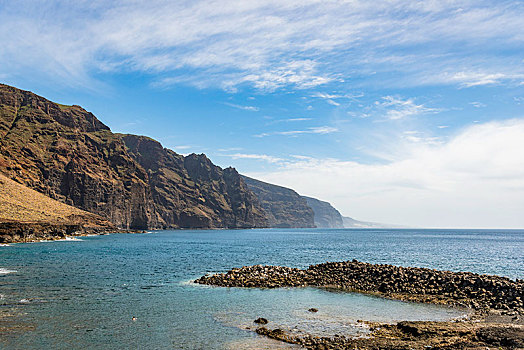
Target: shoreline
<point>497,318</point>
<point>28,232</point>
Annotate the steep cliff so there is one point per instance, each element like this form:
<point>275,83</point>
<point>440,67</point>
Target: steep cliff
<point>283,206</point>
<point>325,215</point>
<point>193,192</point>
<point>67,154</point>
<point>27,215</point>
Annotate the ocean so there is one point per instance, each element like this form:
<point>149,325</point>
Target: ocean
<point>135,291</point>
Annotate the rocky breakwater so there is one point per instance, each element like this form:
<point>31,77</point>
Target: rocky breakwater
<point>482,293</point>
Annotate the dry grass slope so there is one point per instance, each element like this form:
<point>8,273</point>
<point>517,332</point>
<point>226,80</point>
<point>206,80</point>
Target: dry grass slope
<point>21,204</point>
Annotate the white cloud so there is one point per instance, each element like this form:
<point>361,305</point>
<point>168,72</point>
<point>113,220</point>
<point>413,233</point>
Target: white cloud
<point>289,120</point>
<point>469,79</point>
<point>264,157</point>
<point>397,108</point>
<point>322,130</point>
<point>267,44</point>
<point>229,149</point>
<point>476,179</point>
<point>330,98</point>
<point>297,119</point>
<point>478,104</point>
<point>245,108</point>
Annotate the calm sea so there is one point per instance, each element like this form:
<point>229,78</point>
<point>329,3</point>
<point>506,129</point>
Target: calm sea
<point>84,294</point>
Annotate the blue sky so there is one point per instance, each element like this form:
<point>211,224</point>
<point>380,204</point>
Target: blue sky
<point>402,112</point>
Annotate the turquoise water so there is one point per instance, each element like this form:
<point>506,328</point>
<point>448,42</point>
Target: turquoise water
<point>84,294</point>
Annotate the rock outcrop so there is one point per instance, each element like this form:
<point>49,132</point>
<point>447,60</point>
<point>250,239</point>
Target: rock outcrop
<point>67,154</point>
<point>416,335</point>
<point>27,215</point>
<point>479,292</point>
<point>192,192</point>
<point>284,207</point>
<point>326,216</point>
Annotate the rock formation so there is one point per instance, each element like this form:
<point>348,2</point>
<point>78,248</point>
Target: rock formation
<point>325,215</point>
<point>284,207</point>
<point>479,292</point>
<point>192,192</point>
<point>67,154</point>
<point>27,215</point>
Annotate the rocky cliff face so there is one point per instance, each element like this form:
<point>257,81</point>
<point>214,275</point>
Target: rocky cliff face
<point>325,215</point>
<point>67,154</point>
<point>27,215</point>
<point>192,192</point>
<point>284,207</point>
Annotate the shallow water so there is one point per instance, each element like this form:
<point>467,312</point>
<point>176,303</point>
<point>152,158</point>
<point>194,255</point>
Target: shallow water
<point>84,294</point>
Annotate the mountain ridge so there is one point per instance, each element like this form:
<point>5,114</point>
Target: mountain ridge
<point>66,153</point>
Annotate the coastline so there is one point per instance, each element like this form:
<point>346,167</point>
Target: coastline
<point>25,232</point>
<point>496,304</point>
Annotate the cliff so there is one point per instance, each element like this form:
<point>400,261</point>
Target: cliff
<point>193,192</point>
<point>67,154</point>
<point>325,215</point>
<point>27,215</point>
<point>284,207</point>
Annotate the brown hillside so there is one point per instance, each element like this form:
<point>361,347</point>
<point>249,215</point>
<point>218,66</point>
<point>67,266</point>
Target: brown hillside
<point>67,154</point>
<point>21,204</point>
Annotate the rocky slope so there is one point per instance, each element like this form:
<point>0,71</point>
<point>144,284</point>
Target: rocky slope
<point>284,207</point>
<point>27,215</point>
<point>326,216</point>
<point>193,192</point>
<point>67,154</point>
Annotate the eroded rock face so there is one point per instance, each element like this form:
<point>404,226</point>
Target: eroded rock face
<point>284,207</point>
<point>326,216</point>
<point>192,192</point>
<point>67,154</point>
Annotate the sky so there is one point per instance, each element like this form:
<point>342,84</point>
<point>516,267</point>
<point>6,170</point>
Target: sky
<point>402,112</point>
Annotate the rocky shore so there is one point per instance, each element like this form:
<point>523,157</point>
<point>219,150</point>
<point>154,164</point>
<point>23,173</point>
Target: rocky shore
<point>18,232</point>
<point>415,336</point>
<point>497,321</point>
<point>482,293</point>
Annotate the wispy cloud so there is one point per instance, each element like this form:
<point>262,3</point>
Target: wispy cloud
<point>265,44</point>
<point>229,149</point>
<point>264,157</point>
<point>245,108</point>
<point>289,120</point>
<point>470,79</point>
<point>397,108</point>
<point>322,130</point>
<point>331,98</point>
<point>478,104</point>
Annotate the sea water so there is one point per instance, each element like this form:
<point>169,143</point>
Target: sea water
<point>135,291</point>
